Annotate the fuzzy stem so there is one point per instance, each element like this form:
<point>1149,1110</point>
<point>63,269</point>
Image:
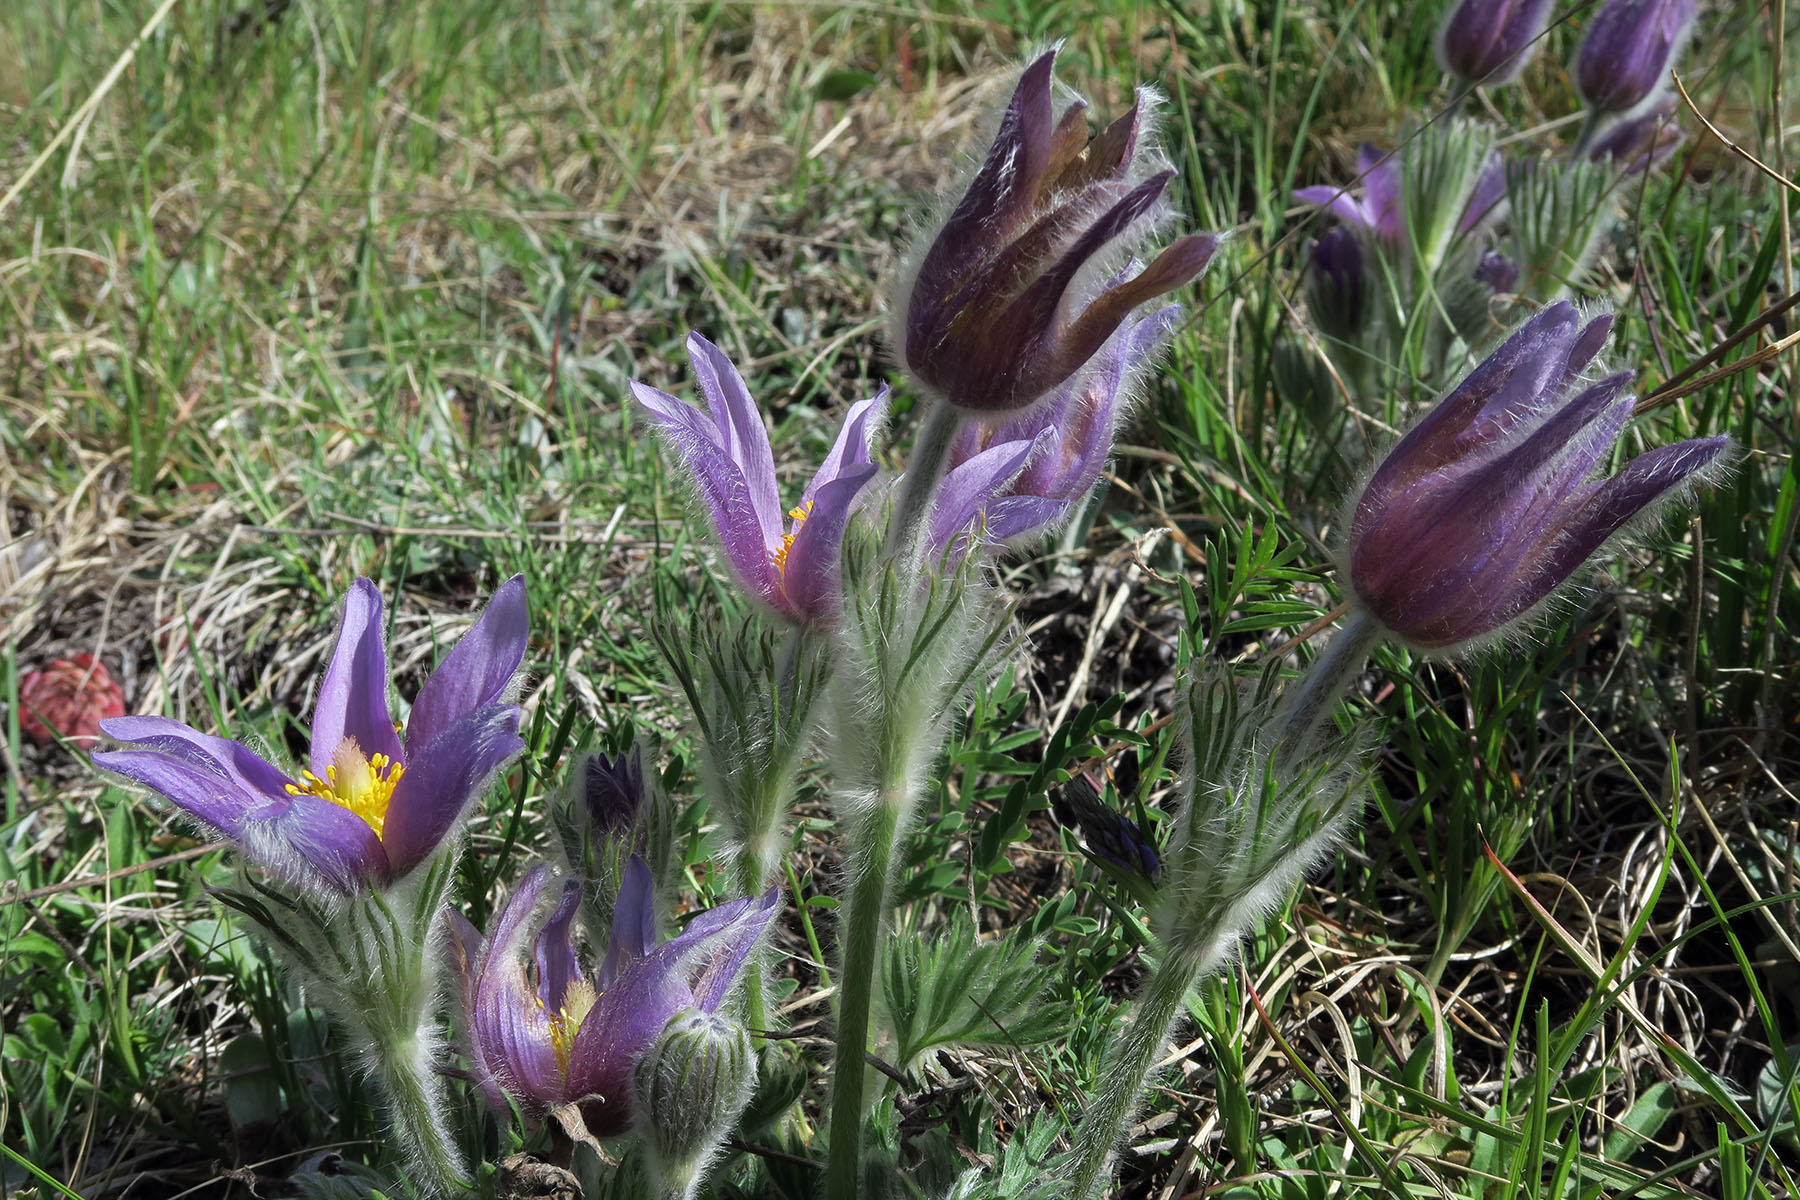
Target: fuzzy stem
<point>871,859</point>
<point>930,454</point>
<point>754,868</point>
<point>1127,1068</point>
<point>403,1071</point>
<point>1307,706</point>
<point>1590,125</point>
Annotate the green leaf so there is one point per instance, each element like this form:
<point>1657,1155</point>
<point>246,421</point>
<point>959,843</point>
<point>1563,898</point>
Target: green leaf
<point>843,85</point>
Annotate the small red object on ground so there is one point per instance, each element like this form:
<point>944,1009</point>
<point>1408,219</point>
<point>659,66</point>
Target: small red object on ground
<point>68,699</point>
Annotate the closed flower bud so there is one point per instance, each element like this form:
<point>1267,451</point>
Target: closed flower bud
<point>1639,142</point>
<point>1628,51</point>
<point>1497,272</point>
<point>691,1085</point>
<point>1337,285</point>
<point>1490,41</point>
<point>1002,305</point>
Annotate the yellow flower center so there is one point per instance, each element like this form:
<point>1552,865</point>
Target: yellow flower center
<point>799,513</point>
<point>362,785</point>
<point>577,1000</point>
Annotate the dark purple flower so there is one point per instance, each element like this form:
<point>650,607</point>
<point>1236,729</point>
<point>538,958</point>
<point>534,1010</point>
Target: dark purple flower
<point>1337,284</point>
<point>995,316</point>
<point>791,565</point>
<point>377,800</point>
<point>1490,41</point>
<point>612,791</point>
<point>1629,48</point>
<point>1637,143</point>
<point>1489,503</point>
<point>1111,837</point>
<point>1028,473</point>
<point>544,1034</point>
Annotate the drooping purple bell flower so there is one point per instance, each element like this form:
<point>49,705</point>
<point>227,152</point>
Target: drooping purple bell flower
<point>994,315</point>
<point>376,799</point>
<point>1490,41</point>
<point>790,565</point>
<point>542,1033</point>
<point>1025,475</point>
<point>1489,504</point>
<point>1626,56</point>
<point>1337,284</point>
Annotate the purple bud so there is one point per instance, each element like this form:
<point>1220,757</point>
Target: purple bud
<point>1110,836</point>
<point>1497,272</point>
<point>995,315</point>
<point>1637,143</point>
<point>1490,41</point>
<point>612,790</point>
<point>1337,285</point>
<point>1489,504</point>
<point>1628,51</point>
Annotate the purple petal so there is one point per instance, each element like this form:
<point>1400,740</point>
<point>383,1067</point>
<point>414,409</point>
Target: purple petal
<point>850,453</point>
<point>748,547</point>
<point>809,575</point>
<point>463,942</point>
<point>555,950</point>
<point>306,840</point>
<point>721,940</point>
<point>442,778</point>
<point>249,771</point>
<point>509,1030</point>
<point>353,696</point>
<point>964,491</point>
<point>1338,201</point>
<point>207,795</point>
<point>478,670</point>
<point>634,922</point>
<point>1380,173</point>
<point>1489,191</point>
<point>1011,518</point>
<point>741,431</point>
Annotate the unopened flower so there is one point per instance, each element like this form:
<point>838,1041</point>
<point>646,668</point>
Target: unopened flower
<point>377,799</point>
<point>1489,503</point>
<point>542,1033</point>
<point>1626,56</point>
<point>1497,272</point>
<point>1028,473</point>
<point>1490,41</point>
<point>68,698</point>
<point>691,1086</point>
<point>791,563</point>
<point>1111,837</point>
<point>995,314</point>
<point>611,790</point>
<point>1337,285</point>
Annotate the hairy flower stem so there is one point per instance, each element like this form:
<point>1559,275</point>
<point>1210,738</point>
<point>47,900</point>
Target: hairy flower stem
<point>918,487</point>
<point>404,1072</point>
<point>871,857</point>
<point>1307,706</point>
<point>1104,1120</point>
<point>1584,140</point>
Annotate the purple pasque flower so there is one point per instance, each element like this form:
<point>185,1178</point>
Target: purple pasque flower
<point>1636,143</point>
<point>789,564</point>
<point>542,1033</point>
<point>1489,503</point>
<point>994,315</point>
<point>1490,41</point>
<point>1028,473</point>
<point>1496,272</point>
<point>1337,284</point>
<point>375,799</point>
<point>612,791</point>
<point>1379,212</point>
<point>1625,58</point>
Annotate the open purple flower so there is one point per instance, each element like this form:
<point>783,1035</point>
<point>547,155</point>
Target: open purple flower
<point>1625,58</point>
<point>791,565</point>
<point>1490,41</point>
<point>1378,210</point>
<point>1027,474</point>
<point>1489,503</point>
<point>994,315</point>
<point>376,799</point>
<point>544,1034</point>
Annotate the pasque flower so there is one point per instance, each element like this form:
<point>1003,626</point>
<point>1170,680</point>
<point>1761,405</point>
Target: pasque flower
<point>1638,142</point>
<point>1626,56</point>
<point>1027,473</point>
<point>789,564</point>
<point>1489,504</point>
<point>994,313</point>
<point>376,799</point>
<point>1490,41</point>
<point>1378,209</point>
<point>1337,284</point>
<point>544,1034</point>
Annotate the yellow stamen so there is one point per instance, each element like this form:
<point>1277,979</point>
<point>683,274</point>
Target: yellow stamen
<point>577,1000</point>
<point>362,785</point>
<point>799,513</point>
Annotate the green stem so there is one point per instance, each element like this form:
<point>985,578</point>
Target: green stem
<point>755,867</point>
<point>1307,706</point>
<point>1127,1068</point>
<point>1590,125</point>
<point>864,908</point>
<point>918,487</point>
<point>404,1073</point>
